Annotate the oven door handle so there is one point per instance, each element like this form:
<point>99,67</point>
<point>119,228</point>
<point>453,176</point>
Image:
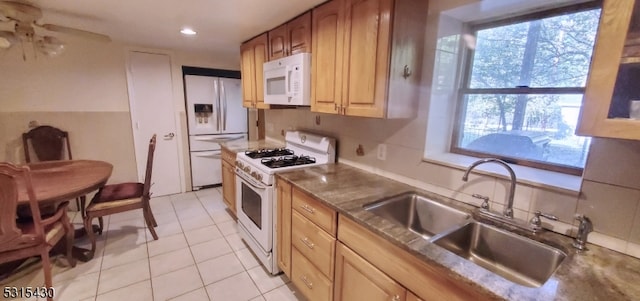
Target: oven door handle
<point>244,180</point>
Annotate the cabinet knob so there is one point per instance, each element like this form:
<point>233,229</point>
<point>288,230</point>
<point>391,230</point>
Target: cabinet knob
<point>406,72</point>
<point>395,298</point>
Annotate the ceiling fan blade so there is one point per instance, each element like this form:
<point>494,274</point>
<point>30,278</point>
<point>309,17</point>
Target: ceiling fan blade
<point>23,12</point>
<point>78,32</point>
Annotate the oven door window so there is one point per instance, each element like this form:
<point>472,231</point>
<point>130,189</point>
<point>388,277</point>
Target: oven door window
<point>252,205</point>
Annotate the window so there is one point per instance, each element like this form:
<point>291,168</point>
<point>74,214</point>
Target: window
<point>522,89</point>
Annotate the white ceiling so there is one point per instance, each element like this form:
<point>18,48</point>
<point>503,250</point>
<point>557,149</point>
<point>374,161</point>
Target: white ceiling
<point>221,24</point>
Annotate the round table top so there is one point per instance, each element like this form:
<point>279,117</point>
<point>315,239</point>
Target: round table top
<point>56,181</point>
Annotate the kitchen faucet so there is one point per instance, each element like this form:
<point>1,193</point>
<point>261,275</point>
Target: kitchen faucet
<point>584,229</point>
<point>508,211</point>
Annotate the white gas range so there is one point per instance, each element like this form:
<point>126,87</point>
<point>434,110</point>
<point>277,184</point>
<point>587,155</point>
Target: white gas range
<point>255,193</point>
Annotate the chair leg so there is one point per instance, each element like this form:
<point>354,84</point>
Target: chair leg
<point>46,268</point>
<point>147,219</point>
<point>70,233</point>
<point>82,202</point>
<point>92,236</point>
<point>153,218</point>
<point>101,222</point>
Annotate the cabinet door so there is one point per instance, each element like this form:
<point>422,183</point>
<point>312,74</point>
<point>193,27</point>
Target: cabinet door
<point>366,58</point>
<point>248,74</point>
<point>614,74</point>
<point>299,34</point>
<point>326,58</point>
<point>283,226</point>
<point>278,42</point>
<point>260,47</point>
<point>412,297</point>
<point>357,279</point>
<point>229,186</point>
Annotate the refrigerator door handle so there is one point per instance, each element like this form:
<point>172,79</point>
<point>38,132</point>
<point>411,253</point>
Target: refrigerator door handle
<point>217,104</point>
<point>218,139</point>
<point>214,154</point>
<point>223,94</point>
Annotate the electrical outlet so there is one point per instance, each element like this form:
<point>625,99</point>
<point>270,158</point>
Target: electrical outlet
<point>382,152</point>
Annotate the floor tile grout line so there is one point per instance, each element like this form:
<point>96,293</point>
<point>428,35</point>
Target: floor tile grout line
<point>190,251</point>
<point>128,285</point>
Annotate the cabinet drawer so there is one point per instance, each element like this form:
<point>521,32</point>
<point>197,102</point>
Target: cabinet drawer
<point>315,244</point>
<point>316,212</point>
<point>313,285</point>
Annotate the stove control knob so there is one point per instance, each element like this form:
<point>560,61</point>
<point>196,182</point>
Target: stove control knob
<point>246,169</point>
<point>254,174</point>
<point>239,164</point>
<point>259,177</point>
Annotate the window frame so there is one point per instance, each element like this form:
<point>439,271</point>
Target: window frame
<point>465,80</point>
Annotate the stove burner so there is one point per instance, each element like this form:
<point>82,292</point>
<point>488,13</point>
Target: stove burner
<point>265,152</point>
<point>285,161</point>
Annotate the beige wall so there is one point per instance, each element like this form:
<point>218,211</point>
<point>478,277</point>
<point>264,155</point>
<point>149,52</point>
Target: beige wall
<point>609,194</point>
<point>84,91</point>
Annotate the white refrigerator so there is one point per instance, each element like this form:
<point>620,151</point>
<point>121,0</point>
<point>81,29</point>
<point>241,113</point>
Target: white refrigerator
<point>215,114</point>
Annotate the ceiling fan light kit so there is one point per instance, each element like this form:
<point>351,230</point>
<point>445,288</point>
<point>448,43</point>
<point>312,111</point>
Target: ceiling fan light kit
<point>26,19</point>
<point>7,39</point>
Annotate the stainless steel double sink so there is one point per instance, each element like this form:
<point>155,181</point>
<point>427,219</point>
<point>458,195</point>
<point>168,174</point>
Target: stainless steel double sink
<point>516,258</point>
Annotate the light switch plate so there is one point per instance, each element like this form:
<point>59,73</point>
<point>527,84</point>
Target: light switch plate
<point>382,152</point>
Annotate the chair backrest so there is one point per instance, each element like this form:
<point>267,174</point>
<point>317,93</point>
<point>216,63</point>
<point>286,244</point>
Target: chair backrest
<point>47,143</point>
<point>146,195</point>
<point>13,178</point>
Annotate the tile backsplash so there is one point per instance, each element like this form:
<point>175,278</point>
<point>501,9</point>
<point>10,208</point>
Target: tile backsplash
<point>610,193</point>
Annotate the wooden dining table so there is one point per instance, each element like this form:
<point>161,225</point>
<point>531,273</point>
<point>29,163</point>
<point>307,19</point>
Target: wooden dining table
<point>55,182</point>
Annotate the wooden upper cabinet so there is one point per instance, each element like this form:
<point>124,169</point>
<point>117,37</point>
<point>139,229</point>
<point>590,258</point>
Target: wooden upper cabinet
<point>291,38</point>
<point>248,78</point>
<point>278,42</point>
<point>326,58</point>
<point>376,47</point>
<point>614,73</point>
<point>366,64</point>
<point>299,34</point>
<point>253,54</point>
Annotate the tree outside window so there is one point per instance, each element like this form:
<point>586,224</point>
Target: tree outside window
<point>523,89</point>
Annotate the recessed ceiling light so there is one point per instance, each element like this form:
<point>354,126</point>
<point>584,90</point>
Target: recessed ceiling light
<point>188,31</point>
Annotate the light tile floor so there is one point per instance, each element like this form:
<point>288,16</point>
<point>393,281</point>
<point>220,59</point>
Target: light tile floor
<point>199,256</point>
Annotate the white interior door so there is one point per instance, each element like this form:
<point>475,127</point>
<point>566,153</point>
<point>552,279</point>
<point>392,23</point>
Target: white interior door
<point>152,112</point>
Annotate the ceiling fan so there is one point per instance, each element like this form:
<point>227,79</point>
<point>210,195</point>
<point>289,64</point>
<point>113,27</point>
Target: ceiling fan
<point>26,18</point>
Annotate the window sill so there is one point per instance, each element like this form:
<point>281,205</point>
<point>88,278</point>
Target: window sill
<point>563,183</point>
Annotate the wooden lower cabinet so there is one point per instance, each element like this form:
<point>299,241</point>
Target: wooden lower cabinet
<point>314,243</point>
<point>412,297</point>
<point>309,280</point>
<point>357,279</point>
<point>359,265</point>
<point>283,226</point>
<point>229,179</point>
<point>416,275</point>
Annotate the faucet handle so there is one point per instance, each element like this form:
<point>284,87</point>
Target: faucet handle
<point>485,200</point>
<point>536,222</point>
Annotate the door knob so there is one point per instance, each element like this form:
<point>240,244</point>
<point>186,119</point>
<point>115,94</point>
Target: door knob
<point>169,136</point>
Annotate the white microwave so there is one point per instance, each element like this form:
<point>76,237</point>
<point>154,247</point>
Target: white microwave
<point>287,80</point>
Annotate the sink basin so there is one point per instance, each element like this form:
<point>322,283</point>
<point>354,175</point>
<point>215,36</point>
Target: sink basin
<point>516,258</point>
<point>419,214</point>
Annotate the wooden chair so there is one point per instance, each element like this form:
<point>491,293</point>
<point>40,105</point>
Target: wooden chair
<point>116,198</point>
<point>29,236</point>
<point>47,143</point>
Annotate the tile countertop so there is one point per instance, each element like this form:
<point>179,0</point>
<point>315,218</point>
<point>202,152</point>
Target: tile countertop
<point>597,274</point>
<point>245,145</point>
